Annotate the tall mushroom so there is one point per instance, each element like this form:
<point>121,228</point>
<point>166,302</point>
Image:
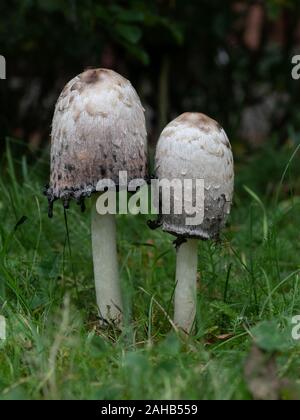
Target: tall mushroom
<point>194,147</point>
<point>98,130</point>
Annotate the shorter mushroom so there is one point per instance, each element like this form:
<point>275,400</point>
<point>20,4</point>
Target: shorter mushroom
<point>195,150</point>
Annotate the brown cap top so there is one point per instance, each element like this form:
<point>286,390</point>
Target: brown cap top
<point>98,130</point>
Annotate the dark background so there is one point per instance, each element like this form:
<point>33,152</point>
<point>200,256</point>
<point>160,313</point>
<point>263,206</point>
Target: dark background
<point>228,59</point>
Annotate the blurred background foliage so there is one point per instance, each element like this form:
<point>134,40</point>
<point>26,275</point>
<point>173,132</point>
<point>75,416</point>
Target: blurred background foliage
<point>229,59</point>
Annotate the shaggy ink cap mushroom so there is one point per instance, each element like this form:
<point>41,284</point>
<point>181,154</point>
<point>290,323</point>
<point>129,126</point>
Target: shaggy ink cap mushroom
<point>194,147</point>
<point>98,130</point>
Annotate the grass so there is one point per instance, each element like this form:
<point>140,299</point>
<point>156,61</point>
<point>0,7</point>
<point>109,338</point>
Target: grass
<point>248,293</point>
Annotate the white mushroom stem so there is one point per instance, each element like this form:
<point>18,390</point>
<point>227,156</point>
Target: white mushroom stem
<point>186,285</point>
<point>108,288</point>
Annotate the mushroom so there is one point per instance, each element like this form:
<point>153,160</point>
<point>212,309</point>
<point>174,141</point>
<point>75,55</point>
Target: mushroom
<point>98,130</point>
<point>193,147</point>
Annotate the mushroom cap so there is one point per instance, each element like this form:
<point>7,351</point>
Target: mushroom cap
<point>98,129</point>
<point>194,146</point>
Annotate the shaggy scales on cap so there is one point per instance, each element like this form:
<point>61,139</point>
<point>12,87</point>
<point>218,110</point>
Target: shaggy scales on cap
<point>98,129</point>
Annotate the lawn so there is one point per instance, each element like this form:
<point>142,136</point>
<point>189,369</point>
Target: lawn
<point>248,292</point>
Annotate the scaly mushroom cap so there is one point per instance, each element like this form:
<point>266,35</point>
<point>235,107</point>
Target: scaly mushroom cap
<point>194,146</point>
<point>98,130</point>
